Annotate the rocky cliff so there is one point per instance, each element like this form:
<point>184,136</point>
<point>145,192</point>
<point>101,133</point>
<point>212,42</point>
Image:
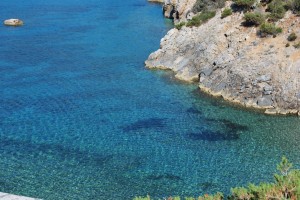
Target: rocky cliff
<point>232,61</point>
<point>177,9</point>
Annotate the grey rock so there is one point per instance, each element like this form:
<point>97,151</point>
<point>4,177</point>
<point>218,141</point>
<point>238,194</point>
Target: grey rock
<point>265,101</point>
<point>264,78</point>
<point>206,71</point>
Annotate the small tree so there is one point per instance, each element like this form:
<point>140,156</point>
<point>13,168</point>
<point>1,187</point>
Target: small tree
<point>276,9</point>
<point>269,29</point>
<point>284,166</point>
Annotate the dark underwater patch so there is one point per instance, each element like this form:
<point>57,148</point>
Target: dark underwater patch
<point>151,123</point>
<point>234,126</point>
<point>229,131</point>
<point>213,136</point>
<point>217,104</point>
<point>194,111</point>
<point>207,186</point>
<point>18,147</point>
<point>229,125</point>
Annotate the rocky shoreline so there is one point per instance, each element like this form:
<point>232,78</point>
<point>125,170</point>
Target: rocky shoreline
<point>231,61</point>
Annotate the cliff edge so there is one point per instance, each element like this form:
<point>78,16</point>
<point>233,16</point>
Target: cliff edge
<point>232,61</point>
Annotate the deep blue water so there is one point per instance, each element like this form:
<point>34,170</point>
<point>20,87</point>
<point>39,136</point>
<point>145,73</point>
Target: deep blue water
<point>81,118</point>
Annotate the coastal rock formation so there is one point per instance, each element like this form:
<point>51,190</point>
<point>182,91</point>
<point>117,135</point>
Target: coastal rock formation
<point>13,22</point>
<point>157,1</point>
<point>232,61</point>
<point>178,9</point>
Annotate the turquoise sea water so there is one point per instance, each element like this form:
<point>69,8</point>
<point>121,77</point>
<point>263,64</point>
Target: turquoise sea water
<point>81,118</point>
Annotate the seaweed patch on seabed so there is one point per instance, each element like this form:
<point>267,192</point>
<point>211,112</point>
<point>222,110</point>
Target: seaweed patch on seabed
<point>207,186</point>
<point>213,135</point>
<point>151,123</point>
<point>12,146</point>
<point>231,131</point>
<point>232,126</point>
<point>194,111</point>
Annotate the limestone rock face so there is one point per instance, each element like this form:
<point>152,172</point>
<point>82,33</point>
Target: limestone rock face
<point>13,22</point>
<point>178,9</point>
<point>231,61</point>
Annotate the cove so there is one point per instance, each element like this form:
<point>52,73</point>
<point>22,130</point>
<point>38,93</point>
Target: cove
<point>81,118</point>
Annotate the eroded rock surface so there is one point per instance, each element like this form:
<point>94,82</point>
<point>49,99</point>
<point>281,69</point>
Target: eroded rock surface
<point>231,61</point>
<point>178,9</point>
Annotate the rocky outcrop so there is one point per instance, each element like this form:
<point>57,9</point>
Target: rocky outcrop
<point>13,22</point>
<point>157,1</point>
<point>178,9</point>
<point>230,60</point>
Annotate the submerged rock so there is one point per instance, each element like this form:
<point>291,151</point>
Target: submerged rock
<point>13,22</point>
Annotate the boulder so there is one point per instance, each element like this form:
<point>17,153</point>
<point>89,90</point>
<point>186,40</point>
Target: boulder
<point>13,22</point>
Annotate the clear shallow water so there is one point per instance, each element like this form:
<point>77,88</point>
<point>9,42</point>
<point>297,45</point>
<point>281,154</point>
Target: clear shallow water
<point>81,118</point>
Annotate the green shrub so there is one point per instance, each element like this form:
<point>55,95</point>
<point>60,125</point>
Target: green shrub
<point>276,9</point>
<point>286,186</point>
<point>287,44</point>
<point>207,5</point>
<point>292,37</point>
<point>254,18</point>
<point>297,45</point>
<point>241,193</point>
<point>142,198</point>
<point>218,196</point>
<point>269,29</point>
<point>226,12</point>
<point>244,3</point>
<point>179,25</point>
<point>201,18</point>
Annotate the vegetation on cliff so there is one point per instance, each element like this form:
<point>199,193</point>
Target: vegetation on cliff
<point>274,10</point>
<point>254,66</point>
<point>292,37</point>
<point>201,18</point>
<point>204,5</point>
<point>254,18</point>
<point>226,12</point>
<point>269,29</point>
<point>286,186</point>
